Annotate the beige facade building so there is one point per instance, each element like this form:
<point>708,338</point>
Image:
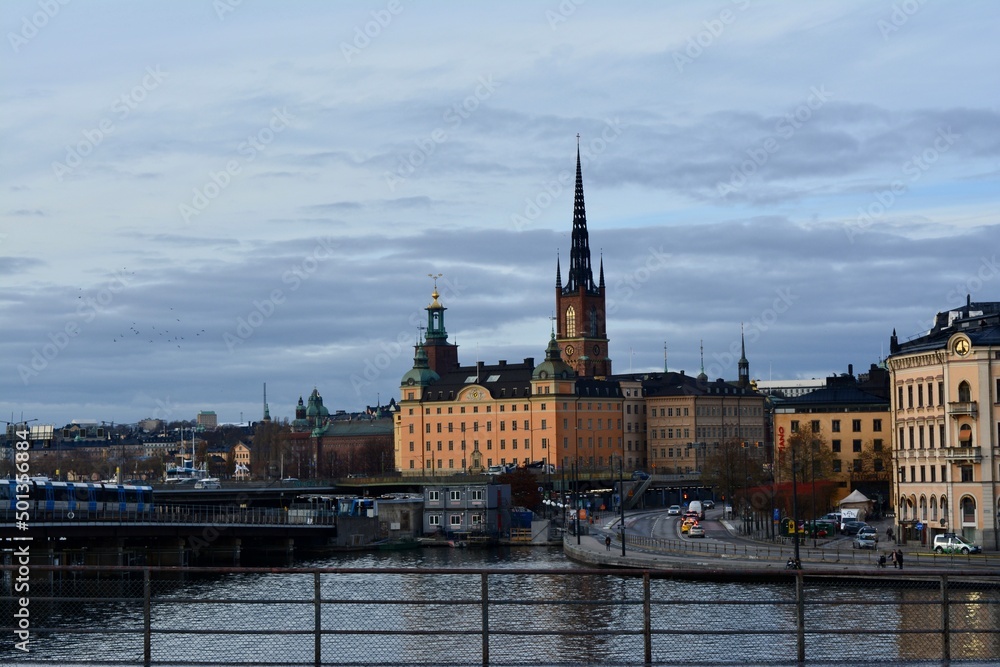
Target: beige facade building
<point>946,426</point>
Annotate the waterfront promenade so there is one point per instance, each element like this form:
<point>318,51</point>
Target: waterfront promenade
<point>731,550</point>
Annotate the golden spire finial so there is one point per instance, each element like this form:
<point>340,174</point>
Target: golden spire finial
<point>434,294</point>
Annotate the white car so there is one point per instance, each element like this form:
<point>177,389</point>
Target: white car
<point>674,510</point>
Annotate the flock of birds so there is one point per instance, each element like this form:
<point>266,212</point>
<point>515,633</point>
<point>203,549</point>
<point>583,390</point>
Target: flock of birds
<point>154,335</point>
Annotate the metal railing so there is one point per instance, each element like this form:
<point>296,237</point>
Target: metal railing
<point>782,548</point>
<point>338,616</point>
<point>177,514</point>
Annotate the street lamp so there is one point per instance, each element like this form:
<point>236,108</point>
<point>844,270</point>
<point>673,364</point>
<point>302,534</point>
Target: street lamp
<point>795,510</point>
<point>812,464</point>
<point>621,496</point>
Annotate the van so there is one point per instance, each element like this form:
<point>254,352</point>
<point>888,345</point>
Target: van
<point>696,507</point>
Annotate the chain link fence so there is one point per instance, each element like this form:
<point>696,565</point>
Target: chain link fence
<point>246,616</point>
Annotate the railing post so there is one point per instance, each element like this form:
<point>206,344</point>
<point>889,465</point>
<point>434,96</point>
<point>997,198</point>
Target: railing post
<point>647,624</point>
<point>147,620</point>
<point>317,621</point>
<point>945,622</point>
<point>800,618</point>
<point>484,592</point>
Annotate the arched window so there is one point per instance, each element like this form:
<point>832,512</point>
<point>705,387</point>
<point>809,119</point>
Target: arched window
<point>923,508</point>
<point>570,322</point>
<point>934,514</point>
<point>964,393</point>
<point>944,508</point>
<point>968,510</point>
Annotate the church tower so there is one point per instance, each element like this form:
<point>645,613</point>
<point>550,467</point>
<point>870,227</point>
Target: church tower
<point>442,356</point>
<point>580,313</point>
<point>744,363</point>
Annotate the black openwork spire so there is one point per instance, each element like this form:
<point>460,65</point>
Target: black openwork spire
<point>580,273</point>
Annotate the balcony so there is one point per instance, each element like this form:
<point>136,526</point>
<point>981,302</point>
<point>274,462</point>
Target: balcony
<point>963,408</point>
<point>962,454</point>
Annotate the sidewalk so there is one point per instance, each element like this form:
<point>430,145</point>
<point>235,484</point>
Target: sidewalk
<point>592,550</point>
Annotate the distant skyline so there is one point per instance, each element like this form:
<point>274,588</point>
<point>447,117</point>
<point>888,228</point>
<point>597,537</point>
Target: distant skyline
<point>204,196</point>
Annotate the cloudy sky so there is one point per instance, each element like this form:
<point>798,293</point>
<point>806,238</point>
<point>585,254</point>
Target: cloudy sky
<point>203,196</point>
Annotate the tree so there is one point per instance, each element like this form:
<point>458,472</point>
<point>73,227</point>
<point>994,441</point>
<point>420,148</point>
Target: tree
<point>812,471</point>
<point>735,468</point>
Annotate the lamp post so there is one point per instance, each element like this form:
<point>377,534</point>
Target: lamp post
<point>621,497</point>
<point>795,509</point>
<point>812,465</point>
<point>576,499</point>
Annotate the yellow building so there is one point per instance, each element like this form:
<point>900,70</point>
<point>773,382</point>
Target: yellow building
<point>946,426</point>
<point>852,416</point>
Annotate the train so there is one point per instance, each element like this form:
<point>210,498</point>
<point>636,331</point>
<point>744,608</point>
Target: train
<point>45,495</point>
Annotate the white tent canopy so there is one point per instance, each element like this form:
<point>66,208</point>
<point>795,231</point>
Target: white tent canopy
<point>855,498</point>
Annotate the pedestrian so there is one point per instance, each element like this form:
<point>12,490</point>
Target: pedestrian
<point>607,542</point>
<point>890,534</point>
<point>892,557</point>
<point>899,558</point>
<point>881,560</point>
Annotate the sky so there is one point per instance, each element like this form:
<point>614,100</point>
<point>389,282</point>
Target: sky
<point>201,197</point>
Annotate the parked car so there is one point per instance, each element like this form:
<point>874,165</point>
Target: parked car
<point>951,543</point>
<point>869,531</point>
<point>639,474</point>
<point>865,541</point>
<point>852,527</point>
<point>696,531</point>
<point>674,510</point>
<point>708,504</point>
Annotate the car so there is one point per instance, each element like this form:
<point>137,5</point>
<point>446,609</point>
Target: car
<point>870,531</point>
<point>852,527</point>
<point>674,510</point>
<point>708,504</point>
<point>865,541</point>
<point>493,471</point>
<point>696,531</point>
<point>290,479</point>
<point>687,523</point>
<point>639,474</point>
<point>951,543</point>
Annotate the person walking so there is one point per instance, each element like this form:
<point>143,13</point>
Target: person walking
<point>899,558</point>
<point>607,542</point>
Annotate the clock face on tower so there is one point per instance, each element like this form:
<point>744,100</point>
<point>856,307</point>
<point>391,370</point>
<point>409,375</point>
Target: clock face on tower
<point>570,350</point>
<point>962,347</point>
<point>597,350</point>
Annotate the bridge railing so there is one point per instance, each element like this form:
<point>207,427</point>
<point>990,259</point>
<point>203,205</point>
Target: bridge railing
<point>207,514</point>
<point>339,616</point>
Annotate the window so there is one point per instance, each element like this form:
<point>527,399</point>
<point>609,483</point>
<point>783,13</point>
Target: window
<point>455,520</point>
<point>835,444</point>
<point>964,393</point>
<point>909,396</point>
<point>836,465</point>
<point>920,395</point>
<point>967,474</point>
<point>857,465</point>
<point>877,425</point>
<point>476,494</point>
<point>930,394</point>
<point>815,426</point>
<point>455,495</point>
<point>856,425</point>
<point>877,444</point>
<point>795,426</point>
<point>433,496</point>
<point>899,403</point>
<point>433,519</point>
<point>570,322</point>
<point>835,426</point>
<point>856,444</point>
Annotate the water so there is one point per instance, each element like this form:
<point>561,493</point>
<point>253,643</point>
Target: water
<point>410,618</point>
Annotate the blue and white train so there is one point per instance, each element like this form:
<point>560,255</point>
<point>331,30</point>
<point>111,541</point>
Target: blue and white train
<point>45,495</point>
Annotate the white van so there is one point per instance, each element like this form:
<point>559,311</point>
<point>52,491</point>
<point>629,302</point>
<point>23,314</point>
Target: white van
<point>696,506</point>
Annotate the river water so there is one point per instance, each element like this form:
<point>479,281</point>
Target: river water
<point>381,617</point>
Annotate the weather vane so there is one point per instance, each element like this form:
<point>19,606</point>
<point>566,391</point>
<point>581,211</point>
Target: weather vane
<point>435,279</point>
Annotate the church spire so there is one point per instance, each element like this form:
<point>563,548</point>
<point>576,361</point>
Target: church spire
<point>601,285</point>
<point>743,364</point>
<point>580,273</point>
<point>558,273</point>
